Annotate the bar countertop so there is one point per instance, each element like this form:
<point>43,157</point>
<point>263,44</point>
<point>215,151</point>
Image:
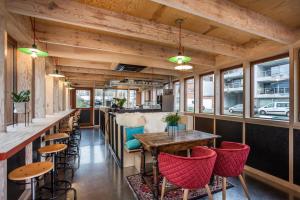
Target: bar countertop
<point>19,136</point>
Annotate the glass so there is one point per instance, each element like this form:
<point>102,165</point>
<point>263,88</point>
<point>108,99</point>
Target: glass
<point>189,95</point>
<point>98,98</point>
<point>233,91</point>
<point>132,98</point>
<point>271,89</point>
<point>177,96</point>
<point>83,98</point>
<point>208,93</point>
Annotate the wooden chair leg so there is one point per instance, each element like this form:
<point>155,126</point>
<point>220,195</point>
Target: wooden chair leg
<point>224,184</point>
<point>163,188</point>
<point>185,194</point>
<point>244,186</point>
<point>210,197</point>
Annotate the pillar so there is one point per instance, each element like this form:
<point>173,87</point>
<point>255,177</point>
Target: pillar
<point>40,87</point>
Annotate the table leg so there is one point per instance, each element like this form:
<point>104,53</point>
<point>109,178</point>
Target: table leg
<point>155,173</point>
<point>143,171</point>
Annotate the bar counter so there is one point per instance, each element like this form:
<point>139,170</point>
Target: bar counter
<point>18,146</point>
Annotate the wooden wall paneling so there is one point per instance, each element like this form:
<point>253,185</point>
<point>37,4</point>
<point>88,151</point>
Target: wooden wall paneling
<point>55,95</point>
<point>3,52</point>
<point>229,131</point>
<point>24,77</point>
<point>40,87</point>
<point>49,94</point>
<point>269,149</point>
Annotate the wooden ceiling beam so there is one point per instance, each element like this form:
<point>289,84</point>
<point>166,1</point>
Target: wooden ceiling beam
<point>107,66</point>
<point>62,51</point>
<point>71,12</point>
<point>230,14</point>
<point>80,70</point>
<point>73,37</point>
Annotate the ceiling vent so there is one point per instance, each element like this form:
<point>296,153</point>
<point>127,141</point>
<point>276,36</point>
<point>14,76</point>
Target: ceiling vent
<point>129,68</point>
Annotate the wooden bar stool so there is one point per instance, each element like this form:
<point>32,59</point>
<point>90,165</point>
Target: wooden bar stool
<point>53,150</point>
<point>31,171</point>
<point>56,137</point>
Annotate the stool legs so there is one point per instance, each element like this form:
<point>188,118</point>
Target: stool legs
<point>244,186</point>
<point>32,189</point>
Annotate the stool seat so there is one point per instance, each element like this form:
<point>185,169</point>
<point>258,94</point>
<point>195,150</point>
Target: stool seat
<point>53,148</point>
<point>56,136</point>
<point>30,171</point>
<point>66,129</point>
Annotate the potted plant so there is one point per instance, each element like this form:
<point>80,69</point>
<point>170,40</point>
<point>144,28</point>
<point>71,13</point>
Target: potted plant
<point>120,102</point>
<point>172,123</point>
<point>20,101</point>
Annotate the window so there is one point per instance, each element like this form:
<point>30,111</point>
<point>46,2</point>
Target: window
<point>83,98</point>
<point>132,99</point>
<point>207,93</point>
<point>110,94</point>
<point>271,91</point>
<point>98,98</point>
<point>189,95</point>
<point>232,85</point>
<point>177,96</point>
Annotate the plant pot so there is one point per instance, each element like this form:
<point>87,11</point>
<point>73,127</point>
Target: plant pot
<point>19,107</point>
<point>172,130</point>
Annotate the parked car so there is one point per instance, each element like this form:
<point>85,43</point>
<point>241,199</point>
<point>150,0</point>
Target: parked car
<point>238,108</point>
<point>276,108</point>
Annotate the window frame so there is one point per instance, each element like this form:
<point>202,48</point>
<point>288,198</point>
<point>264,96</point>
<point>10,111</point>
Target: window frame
<point>185,94</point>
<point>201,93</point>
<point>276,57</point>
<point>222,90</point>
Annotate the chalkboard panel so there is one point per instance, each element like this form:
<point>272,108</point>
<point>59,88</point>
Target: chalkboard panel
<point>297,156</point>
<point>204,124</point>
<point>229,130</point>
<point>269,149</point>
<point>85,116</point>
<point>14,190</point>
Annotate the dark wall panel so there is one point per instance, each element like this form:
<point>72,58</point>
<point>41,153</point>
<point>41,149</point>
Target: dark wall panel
<point>204,124</point>
<point>269,149</point>
<point>85,116</point>
<point>297,157</point>
<point>15,190</point>
<point>229,131</point>
<point>97,122</point>
<point>36,144</point>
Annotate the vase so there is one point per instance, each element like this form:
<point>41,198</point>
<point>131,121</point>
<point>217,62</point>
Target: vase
<point>172,130</point>
<point>21,107</point>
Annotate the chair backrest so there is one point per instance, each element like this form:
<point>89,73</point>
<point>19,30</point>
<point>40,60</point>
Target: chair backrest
<point>188,172</point>
<point>231,159</point>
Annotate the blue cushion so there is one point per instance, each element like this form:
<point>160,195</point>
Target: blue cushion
<point>130,131</point>
<point>133,144</point>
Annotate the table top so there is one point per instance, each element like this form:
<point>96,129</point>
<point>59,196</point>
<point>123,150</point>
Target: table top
<point>16,138</point>
<point>163,139</point>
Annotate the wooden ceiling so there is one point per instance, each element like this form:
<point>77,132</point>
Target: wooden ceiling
<point>95,35</point>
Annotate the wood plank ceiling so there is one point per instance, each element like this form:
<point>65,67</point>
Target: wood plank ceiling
<point>88,38</point>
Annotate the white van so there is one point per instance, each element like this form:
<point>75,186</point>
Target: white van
<point>276,108</point>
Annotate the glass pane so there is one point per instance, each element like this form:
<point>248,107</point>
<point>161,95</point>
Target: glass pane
<point>132,100</point>
<point>189,86</point>
<point>271,89</point>
<point>233,92</point>
<point>98,98</point>
<point>207,101</point>
<point>83,98</point>
<point>177,96</point>
<point>108,97</point>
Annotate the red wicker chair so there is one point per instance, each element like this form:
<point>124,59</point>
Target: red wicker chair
<point>231,159</point>
<point>187,172</point>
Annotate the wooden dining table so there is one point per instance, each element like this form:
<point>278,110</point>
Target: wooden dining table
<point>164,142</point>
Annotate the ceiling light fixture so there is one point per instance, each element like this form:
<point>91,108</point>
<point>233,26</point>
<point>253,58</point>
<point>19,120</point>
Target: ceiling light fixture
<point>55,72</point>
<point>180,59</point>
<point>33,51</point>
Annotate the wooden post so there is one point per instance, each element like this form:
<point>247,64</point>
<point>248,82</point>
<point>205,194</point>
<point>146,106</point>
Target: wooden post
<point>181,109</point>
<point>3,53</point>
<point>40,88</point>
<point>55,95</point>
<point>49,92</point>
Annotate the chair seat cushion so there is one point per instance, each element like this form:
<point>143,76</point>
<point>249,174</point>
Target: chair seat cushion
<point>133,144</point>
<point>130,131</point>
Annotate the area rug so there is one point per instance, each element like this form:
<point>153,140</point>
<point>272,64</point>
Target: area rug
<point>142,191</point>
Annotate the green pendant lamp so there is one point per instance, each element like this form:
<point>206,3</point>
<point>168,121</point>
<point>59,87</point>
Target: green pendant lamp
<point>33,51</point>
<point>56,73</point>
<point>181,60</point>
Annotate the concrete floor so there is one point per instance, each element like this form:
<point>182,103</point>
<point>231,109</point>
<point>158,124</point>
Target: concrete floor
<point>99,177</point>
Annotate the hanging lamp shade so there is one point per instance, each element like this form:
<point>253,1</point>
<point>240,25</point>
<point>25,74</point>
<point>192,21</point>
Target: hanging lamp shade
<point>181,60</point>
<point>56,74</point>
<point>33,50</point>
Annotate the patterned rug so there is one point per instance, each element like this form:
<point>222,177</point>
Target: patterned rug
<point>143,192</point>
